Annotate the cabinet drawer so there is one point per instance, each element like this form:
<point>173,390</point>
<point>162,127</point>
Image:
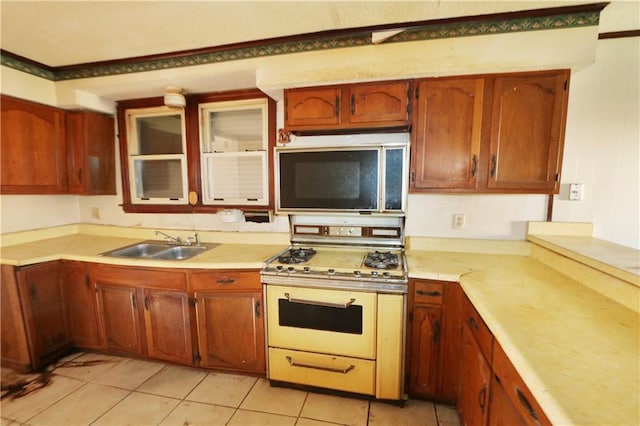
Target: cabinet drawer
<point>325,371</point>
<point>428,292</point>
<point>140,277</point>
<point>516,390</point>
<point>478,329</point>
<point>231,280</point>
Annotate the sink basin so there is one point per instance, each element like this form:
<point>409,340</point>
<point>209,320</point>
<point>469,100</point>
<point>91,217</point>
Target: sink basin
<point>158,250</point>
<point>180,252</point>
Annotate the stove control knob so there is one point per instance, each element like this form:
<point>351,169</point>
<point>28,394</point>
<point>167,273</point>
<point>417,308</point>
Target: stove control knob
<point>279,268</point>
<point>357,273</point>
<point>291,269</point>
<point>374,274</point>
<point>386,275</point>
<point>306,269</point>
<point>331,272</point>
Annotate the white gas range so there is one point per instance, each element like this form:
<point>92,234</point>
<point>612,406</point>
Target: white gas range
<point>335,306</point>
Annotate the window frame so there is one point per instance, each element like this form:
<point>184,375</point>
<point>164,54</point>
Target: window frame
<point>133,144</point>
<point>204,109</point>
<point>195,188</point>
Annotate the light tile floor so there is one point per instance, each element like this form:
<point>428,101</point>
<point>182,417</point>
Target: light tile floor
<point>95,389</point>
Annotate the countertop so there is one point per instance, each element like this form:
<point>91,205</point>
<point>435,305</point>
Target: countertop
<point>87,247</point>
<point>577,350</point>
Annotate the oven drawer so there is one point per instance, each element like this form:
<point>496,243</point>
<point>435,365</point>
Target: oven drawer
<point>325,371</point>
<point>337,322</point>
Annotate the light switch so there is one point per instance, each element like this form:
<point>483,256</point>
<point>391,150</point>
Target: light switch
<point>575,191</point>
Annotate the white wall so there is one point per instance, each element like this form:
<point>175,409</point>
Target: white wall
<point>602,144</point>
<point>601,151</point>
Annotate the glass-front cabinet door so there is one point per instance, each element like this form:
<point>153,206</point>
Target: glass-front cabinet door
<point>157,156</point>
<point>233,152</point>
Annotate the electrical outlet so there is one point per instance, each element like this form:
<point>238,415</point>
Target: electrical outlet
<point>458,221</point>
<point>95,212</point>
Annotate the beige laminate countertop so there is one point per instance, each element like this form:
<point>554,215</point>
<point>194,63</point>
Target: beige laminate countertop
<point>87,247</point>
<point>577,350</point>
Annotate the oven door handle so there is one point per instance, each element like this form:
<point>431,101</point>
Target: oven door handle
<point>320,303</point>
<point>319,367</point>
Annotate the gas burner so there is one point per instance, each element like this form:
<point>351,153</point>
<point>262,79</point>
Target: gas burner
<point>297,255</point>
<point>381,260</point>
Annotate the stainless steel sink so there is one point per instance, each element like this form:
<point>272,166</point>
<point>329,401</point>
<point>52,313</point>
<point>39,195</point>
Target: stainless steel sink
<point>159,250</point>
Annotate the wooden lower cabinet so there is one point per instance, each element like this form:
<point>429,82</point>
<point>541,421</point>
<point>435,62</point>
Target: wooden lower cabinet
<point>230,319</point>
<point>80,297</point>
<point>231,330</point>
<point>14,346</point>
<point>167,325</point>
<point>144,311</point>
<point>503,412</point>
<point>41,292</point>
<point>475,381</point>
<point>425,350</point>
<point>433,344</point>
<point>119,318</point>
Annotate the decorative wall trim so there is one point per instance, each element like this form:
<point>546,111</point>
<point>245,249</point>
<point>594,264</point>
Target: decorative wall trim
<point>532,20</point>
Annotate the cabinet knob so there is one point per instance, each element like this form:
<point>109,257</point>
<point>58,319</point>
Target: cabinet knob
<point>494,163</point>
<point>474,165</point>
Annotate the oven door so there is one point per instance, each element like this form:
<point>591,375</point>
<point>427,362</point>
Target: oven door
<point>336,322</point>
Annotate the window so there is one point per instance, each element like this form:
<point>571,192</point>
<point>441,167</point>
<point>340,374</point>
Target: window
<point>233,152</point>
<point>157,156</point>
<point>215,153</point>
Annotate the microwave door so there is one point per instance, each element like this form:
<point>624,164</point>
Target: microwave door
<point>329,180</point>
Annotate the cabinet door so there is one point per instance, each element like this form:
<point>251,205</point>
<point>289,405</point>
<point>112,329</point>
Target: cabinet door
<point>42,297</point>
<point>91,146</point>
<point>312,107</point>
<point>379,103</point>
<point>501,410</point>
<point>448,128</point>
<point>13,343</point>
<point>527,131</point>
<point>168,327</point>
<point>33,149</point>
<point>231,330</point>
<point>425,350</point>
<point>475,376</point>
<point>120,322</point>
<point>80,297</point>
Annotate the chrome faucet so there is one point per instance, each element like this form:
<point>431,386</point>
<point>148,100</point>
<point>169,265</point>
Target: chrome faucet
<point>195,240</point>
<point>171,240</point>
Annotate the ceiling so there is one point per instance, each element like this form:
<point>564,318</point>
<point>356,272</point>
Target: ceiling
<point>59,33</point>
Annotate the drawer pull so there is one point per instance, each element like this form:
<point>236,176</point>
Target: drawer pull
<point>319,367</point>
<point>320,303</point>
<point>226,281</point>
<point>428,293</point>
<point>473,323</point>
<point>526,404</point>
<point>482,396</point>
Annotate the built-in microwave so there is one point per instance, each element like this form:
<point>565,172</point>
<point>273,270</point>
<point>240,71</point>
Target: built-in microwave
<point>361,179</point>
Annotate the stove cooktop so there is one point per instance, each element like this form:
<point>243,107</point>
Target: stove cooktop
<point>348,267</point>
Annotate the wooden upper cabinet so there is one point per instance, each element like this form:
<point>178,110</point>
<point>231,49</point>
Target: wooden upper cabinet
<point>312,107</point>
<point>527,131</point>
<point>446,147</point>
<point>346,108</point>
<point>91,148</point>
<point>33,149</point>
<point>379,103</point>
